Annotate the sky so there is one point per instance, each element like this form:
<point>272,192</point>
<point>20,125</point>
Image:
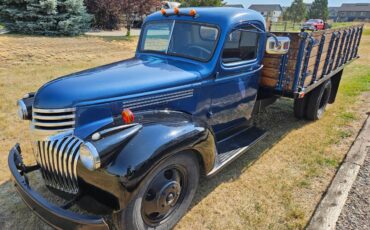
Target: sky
<point>288,2</point>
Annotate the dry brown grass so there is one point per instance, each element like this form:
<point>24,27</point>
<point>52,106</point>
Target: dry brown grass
<point>276,185</point>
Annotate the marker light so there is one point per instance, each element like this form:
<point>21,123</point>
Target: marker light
<point>193,12</point>
<point>127,116</point>
<point>176,10</point>
<point>163,11</point>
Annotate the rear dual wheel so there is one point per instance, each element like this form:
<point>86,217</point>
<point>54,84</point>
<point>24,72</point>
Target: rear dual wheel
<point>313,105</point>
<point>164,195</point>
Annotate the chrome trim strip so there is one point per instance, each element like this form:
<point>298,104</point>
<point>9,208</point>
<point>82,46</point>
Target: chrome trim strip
<point>54,124</point>
<point>52,118</point>
<point>53,110</point>
<point>159,96</point>
<point>106,131</point>
<point>139,103</point>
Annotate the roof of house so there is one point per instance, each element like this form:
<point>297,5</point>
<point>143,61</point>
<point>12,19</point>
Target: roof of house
<point>354,7</point>
<point>333,9</point>
<point>235,5</point>
<point>266,7</point>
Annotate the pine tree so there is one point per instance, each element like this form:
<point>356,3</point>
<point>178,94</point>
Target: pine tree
<point>319,10</point>
<point>45,17</point>
<point>297,11</point>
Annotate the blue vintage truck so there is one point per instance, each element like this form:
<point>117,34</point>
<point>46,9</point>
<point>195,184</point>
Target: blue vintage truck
<point>133,137</point>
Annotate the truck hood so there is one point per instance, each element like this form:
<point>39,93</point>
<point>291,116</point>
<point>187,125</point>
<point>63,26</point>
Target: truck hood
<point>115,80</point>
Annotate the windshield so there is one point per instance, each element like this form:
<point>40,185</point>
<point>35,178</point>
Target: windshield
<point>312,21</point>
<point>185,39</point>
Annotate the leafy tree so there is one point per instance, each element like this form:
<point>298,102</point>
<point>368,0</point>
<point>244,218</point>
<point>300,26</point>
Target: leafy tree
<point>194,3</point>
<point>45,17</point>
<point>319,10</point>
<point>137,8</point>
<point>296,12</point>
<point>107,13</point>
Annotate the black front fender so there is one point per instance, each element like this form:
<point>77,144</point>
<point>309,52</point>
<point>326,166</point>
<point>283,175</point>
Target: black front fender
<point>160,139</point>
<point>161,135</point>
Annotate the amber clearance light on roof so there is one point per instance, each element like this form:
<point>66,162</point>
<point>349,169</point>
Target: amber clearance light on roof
<point>176,11</point>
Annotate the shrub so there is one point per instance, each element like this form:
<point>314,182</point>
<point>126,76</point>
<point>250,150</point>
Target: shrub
<point>106,13</point>
<point>45,17</point>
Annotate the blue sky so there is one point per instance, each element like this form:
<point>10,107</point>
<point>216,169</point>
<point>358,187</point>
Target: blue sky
<point>288,2</point>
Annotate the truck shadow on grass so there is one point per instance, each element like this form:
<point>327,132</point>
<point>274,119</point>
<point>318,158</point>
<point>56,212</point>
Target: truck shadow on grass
<point>278,119</point>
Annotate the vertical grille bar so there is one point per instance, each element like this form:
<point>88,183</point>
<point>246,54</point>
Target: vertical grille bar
<point>58,161</point>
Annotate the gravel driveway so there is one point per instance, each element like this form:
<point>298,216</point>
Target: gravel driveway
<point>356,212</point>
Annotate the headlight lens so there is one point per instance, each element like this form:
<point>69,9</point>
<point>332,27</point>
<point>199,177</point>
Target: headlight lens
<point>89,156</point>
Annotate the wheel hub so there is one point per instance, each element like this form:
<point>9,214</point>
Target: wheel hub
<point>162,196</point>
<point>169,195</point>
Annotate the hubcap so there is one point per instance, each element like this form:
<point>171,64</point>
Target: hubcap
<point>164,194</point>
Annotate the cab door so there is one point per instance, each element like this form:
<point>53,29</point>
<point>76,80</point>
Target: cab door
<point>235,88</point>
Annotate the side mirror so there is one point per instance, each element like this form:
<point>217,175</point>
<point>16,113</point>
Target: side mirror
<point>278,45</point>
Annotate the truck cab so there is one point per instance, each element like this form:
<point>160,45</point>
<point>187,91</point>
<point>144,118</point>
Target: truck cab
<point>134,136</point>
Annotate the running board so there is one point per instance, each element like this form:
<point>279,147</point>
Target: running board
<point>232,147</point>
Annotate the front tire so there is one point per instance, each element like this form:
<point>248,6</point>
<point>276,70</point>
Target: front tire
<point>164,195</point>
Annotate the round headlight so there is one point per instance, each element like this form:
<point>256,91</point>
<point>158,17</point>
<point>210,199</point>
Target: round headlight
<point>22,110</point>
<point>89,156</point>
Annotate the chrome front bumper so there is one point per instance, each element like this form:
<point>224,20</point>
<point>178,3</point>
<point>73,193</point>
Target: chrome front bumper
<point>58,217</point>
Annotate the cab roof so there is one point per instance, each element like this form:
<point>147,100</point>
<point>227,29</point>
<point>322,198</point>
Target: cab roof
<point>222,16</point>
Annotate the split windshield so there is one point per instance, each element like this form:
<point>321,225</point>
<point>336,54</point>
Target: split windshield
<point>185,39</point>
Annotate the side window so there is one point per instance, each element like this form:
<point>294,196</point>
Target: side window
<point>241,45</point>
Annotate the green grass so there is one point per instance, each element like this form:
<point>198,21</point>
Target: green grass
<point>341,24</point>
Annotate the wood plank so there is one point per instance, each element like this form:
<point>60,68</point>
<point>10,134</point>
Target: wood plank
<point>330,207</point>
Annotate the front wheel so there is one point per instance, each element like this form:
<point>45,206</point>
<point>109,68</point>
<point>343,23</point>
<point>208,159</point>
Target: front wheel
<point>164,195</point>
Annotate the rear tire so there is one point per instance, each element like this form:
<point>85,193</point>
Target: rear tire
<point>164,195</point>
<point>317,101</point>
<point>300,106</point>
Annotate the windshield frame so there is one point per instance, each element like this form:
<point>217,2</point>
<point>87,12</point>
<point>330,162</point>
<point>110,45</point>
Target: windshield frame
<point>166,53</point>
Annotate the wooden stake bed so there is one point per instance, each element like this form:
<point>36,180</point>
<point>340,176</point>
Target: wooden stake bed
<point>313,57</point>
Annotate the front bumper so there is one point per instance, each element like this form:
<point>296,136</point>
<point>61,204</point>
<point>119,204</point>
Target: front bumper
<point>55,216</point>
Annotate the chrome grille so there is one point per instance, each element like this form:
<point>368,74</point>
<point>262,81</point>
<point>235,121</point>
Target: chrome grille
<point>58,158</point>
<point>53,119</point>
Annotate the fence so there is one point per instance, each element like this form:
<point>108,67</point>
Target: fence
<point>285,26</point>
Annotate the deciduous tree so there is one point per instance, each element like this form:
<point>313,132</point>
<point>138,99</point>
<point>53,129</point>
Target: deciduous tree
<point>137,8</point>
<point>319,10</point>
<point>107,13</point>
<point>188,3</point>
<point>296,12</point>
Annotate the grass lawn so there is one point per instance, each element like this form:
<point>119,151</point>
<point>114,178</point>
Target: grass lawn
<point>276,185</point>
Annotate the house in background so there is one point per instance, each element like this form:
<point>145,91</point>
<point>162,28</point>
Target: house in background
<point>354,12</point>
<point>271,11</point>
<point>234,5</point>
<point>333,13</point>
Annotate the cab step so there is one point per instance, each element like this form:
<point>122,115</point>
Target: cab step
<point>233,146</point>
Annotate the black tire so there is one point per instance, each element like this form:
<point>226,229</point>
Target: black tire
<point>135,217</point>
<point>300,106</point>
<point>317,101</point>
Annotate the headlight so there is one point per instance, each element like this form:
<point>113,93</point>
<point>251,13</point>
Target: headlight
<point>22,110</point>
<point>89,156</point>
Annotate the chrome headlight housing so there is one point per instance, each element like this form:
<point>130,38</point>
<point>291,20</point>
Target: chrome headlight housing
<point>89,156</point>
<point>22,110</point>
